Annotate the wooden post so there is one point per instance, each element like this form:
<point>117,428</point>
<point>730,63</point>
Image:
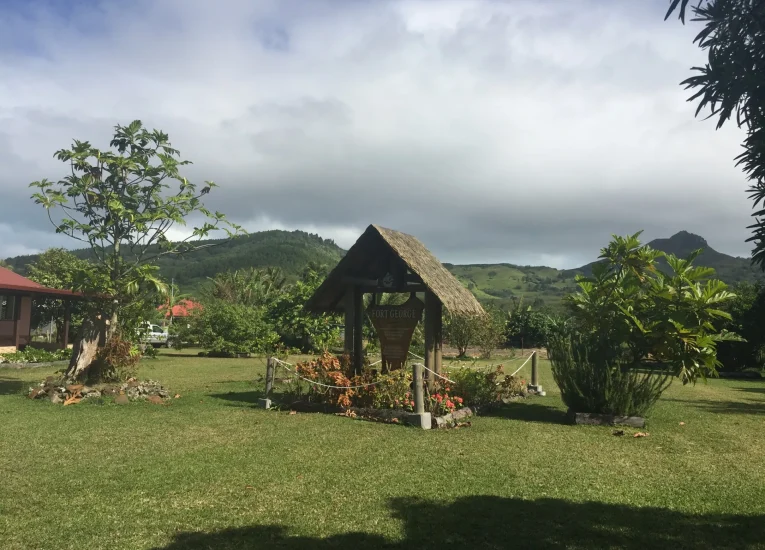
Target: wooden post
<point>67,320</point>
<point>16,334</point>
<point>534,370</point>
<point>358,333</point>
<point>438,336</point>
<point>419,399</point>
<point>265,401</point>
<point>270,368</point>
<point>432,310</point>
<point>349,323</point>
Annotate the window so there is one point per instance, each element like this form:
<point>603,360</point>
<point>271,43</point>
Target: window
<point>7,308</point>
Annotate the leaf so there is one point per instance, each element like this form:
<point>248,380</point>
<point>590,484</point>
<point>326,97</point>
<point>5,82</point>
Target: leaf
<point>293,412</point>
<point>72,400</point>
<point>641,434</point>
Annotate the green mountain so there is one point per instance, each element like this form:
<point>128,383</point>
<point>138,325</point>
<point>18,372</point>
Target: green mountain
<point>290,250</point>
<point>500,284</point>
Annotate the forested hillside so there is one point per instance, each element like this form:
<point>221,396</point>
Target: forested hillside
<point>500,284</point>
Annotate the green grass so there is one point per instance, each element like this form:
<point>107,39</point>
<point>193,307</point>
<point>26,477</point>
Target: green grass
<point>211,471</point>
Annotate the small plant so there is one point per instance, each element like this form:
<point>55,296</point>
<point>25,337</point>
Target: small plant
<point>481,387</point>
<point>34,355</point>
<point>116,361</point>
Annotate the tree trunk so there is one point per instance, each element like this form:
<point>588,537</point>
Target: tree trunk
<point>91,335</point>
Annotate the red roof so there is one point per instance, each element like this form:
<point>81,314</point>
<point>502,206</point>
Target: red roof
<point>16,283</point>
<point>182,308</point>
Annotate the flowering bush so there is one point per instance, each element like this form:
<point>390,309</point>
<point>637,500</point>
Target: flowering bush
<point>443,400</point>
<point>479,387</point>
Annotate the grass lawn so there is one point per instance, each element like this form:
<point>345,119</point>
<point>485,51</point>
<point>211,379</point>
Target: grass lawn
<point>211,471</point>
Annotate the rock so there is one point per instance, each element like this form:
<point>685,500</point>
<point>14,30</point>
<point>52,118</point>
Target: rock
<point>155,399</point>
<point>92,394</point>
<point>56,399</point>
<point>74,388</point>
<point>109,390</point>
<point>121,399</point>
<point>36,392</point>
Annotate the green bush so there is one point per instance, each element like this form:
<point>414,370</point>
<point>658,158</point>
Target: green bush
<point>484,386</point>
<point>596,380</point>
<point>34,355</point>
<point>225,329</point>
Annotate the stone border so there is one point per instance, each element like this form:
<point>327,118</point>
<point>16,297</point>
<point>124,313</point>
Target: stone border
<point>33,365</point>
<point>593,419</point>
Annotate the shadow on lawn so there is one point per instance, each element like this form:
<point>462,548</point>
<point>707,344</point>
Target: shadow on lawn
<point>496,522</point>
<point>10,386</point>
<point>530,412</point>
<point>248,397</point>
<point>730,407</point>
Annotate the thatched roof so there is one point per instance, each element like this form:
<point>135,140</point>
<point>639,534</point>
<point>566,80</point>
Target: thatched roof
<point>371,258</point>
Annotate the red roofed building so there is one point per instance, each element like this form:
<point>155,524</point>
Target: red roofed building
<point>16,293</point>
<point>183,308</point>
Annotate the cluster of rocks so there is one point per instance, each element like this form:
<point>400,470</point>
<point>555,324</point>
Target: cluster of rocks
<point>57,391</point>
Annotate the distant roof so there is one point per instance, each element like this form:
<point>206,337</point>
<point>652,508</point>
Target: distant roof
<point>182,309</point>
<point>16,283</point>
<point>368,256</point>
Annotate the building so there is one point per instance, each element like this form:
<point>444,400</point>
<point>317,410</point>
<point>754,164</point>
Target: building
<point>182,309</point>
<point>16,295</point>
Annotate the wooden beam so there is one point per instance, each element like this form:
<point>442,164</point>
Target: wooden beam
<point>16,316</point>
<point>438,335</point>
<point>358,325</point>
<point>431,302</point>
<point>349,323</point>
<point>67,320</point>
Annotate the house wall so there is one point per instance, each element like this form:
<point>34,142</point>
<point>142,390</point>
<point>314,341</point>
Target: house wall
<point>25,321</point>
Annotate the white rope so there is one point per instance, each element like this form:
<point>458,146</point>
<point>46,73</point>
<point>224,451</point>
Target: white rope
<point>524,363</point>
<point>416,356</point>
<point>441,377</point>
<point>315,383</point>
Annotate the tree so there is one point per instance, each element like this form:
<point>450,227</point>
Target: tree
<point>121,203</point>
<point>638,311</point>
<point>733,81</point>
<point>491,331</point>
<point>526,327</point>
<point>747,310</point>
<point>250,286</point>
<point>295,326</point>
<point>461,331</point>
<point>6,265</point>
<point>57,268</point>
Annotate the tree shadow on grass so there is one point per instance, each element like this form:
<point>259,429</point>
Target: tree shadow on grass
<point>490,522</point>
<point>239,398</point>
<point>529,412</point>
<point>10,386</point>
<point>724,407</point>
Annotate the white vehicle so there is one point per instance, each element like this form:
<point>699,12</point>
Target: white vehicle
<point>154,335</point>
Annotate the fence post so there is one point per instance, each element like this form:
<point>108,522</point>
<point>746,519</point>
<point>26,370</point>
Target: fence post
<point>419,418</point>
<point>265,402</point>
<point>534,386</point>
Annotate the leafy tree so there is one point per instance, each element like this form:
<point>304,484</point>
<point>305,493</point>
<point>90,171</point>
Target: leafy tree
<point>747,311</point>
<point>462,331</point>
<point>6,265</point>
<point>490,331</point>
<point>295,326</point>
<point>227,328</point>
<point>733,81</point>
<point>251,287</point>
<point>57,268</point>
<point>639,311</point>
<point>121,203</point>
<point>526,326</point>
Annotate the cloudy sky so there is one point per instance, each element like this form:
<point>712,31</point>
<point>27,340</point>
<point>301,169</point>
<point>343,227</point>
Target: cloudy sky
<point>516,131</point>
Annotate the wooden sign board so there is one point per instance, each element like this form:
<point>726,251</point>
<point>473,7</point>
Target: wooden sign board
<point>395,326</point>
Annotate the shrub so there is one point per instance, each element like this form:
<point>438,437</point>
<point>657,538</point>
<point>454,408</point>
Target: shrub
<point>116,361</point>
<point>604,381</point>
<point>481,387</point>
<point>747,310</point>
<point>226,329</point>
<point>34,355</point>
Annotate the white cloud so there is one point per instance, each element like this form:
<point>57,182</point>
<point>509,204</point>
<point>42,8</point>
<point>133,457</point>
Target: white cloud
<point>520,131</point>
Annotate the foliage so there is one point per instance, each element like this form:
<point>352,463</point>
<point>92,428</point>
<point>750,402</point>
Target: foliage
<point>461,332</point>
<point>121,204</point>
<point>295,326</point>
<point>329,371</point>
<point>6,265</point>
<point>490,331</point>
<point>35,355</point>
<point>526,327</point>
<point>116,361</point>
<point>637,311</point>
<point>249,287</point>
<point>226,328</point>
<point>747,312</point>
<point>58,268</point>
<point>733,81</point>
<point>486,385</point>
<point>597,380</point>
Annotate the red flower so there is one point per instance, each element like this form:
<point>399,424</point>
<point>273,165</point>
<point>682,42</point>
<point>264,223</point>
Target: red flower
<point>439,398</point>
<point>458,400</point>
<point>449,404</point>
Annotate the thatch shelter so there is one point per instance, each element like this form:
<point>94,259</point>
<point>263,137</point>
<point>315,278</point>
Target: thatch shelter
<point>387,261</point>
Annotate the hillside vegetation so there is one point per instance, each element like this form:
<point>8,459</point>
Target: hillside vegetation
<point>500,284</point>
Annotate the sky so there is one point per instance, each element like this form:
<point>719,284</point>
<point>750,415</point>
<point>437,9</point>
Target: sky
<point>520,131</point>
